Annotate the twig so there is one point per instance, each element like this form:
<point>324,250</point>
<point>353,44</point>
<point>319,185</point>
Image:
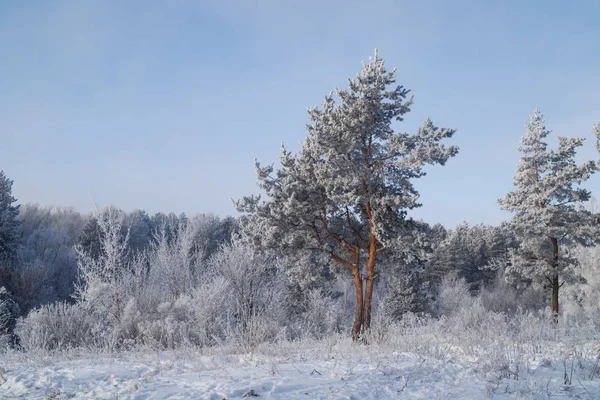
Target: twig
<point>595,367</point>
<point>584,388</point>
<point>413,372</point>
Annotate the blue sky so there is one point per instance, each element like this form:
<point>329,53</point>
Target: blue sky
<point>163,105</point>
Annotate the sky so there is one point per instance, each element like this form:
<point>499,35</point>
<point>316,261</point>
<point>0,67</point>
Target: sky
<point>164,105</point>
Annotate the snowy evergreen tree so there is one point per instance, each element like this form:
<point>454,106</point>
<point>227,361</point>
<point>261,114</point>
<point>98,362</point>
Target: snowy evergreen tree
<point>468,250</point>
<point>544,203</point>
<point>406,282</point>
<point>9,237</point>
<point>9,312</point>
<point>90,238</point>
<point>140,233</point>
<point>349,189</point>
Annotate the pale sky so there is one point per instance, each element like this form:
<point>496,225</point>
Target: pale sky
<point>163,105</point>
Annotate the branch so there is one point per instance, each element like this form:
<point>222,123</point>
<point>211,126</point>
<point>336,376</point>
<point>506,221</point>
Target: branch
<point>335,237</point>
<point>356,231</point>
<point>317,234</point>
<point>564,236</point>
<point>340,260</point>
<point>336,258</point>
<point>363,210</point>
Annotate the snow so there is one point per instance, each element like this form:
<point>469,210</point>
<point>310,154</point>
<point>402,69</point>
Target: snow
<point>290,371</point>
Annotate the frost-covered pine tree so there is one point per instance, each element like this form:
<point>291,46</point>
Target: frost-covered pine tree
<point>546,216</point>
<point>9,236</point>
<point>347,192</point>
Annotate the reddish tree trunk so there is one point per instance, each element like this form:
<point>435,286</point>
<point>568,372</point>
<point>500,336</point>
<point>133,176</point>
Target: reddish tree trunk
<point>555,287</point>
<point>358,317</point>
<point>370,281</point>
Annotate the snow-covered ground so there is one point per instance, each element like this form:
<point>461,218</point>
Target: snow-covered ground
<point>291,371</point>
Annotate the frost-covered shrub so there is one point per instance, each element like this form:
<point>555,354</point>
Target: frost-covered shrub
<point>473,319</point>
<point>57,326</point>
<point>100,284</point>
<point>173,328</point>
<point>255,286</point>
<point>320,315</point>
<point>502,296</point>
<point>174,260</point>
<point>197,319</point>
<point>208,304</point>
<point>128,327</point>
<point>257,330</point>
<point>102,315</point>
<point>383,321</point>
<point>453,294</point>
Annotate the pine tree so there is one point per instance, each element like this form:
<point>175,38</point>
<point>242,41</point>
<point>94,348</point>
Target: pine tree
<point>546,216</point>
<point>90,238</point>
<point>9,237</point>
<point>349,189</point>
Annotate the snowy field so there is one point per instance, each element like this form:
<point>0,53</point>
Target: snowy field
<point>319,370</point>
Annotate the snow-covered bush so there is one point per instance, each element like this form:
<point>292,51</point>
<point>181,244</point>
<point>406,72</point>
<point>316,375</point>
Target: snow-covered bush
<point>197,319</point>
<point>174,260</point>
<point>59,326</point>
<point>502,296</point>
<point>239,298</point>
<point>100,278</point>
<point>166,298</point>
<point>320,316</point>
<point>453,294</point>
<point>256,292</point>
<point>174,325</point>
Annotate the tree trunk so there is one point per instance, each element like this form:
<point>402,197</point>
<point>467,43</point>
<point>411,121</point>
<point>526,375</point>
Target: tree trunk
<point>370,281</point>
<point>555,285</point>
<point>118,306</point>
<point>358,317</point>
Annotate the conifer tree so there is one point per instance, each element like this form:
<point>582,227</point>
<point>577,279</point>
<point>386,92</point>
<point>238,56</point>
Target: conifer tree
<point>9,237</point>
<point>546,216</point>
<point>348,191</point>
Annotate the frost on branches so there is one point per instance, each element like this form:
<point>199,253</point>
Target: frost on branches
<point>100,279</point>
<point>348,190</point>
<point>545,209</point>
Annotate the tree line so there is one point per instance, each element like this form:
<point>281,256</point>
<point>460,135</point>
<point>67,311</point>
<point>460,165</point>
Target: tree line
<point>337,211</point>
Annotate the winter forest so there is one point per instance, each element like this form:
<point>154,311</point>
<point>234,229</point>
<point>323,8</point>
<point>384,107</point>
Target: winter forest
<point>322,284</point>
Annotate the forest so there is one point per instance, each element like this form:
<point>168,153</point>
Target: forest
<point>327,252</point>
